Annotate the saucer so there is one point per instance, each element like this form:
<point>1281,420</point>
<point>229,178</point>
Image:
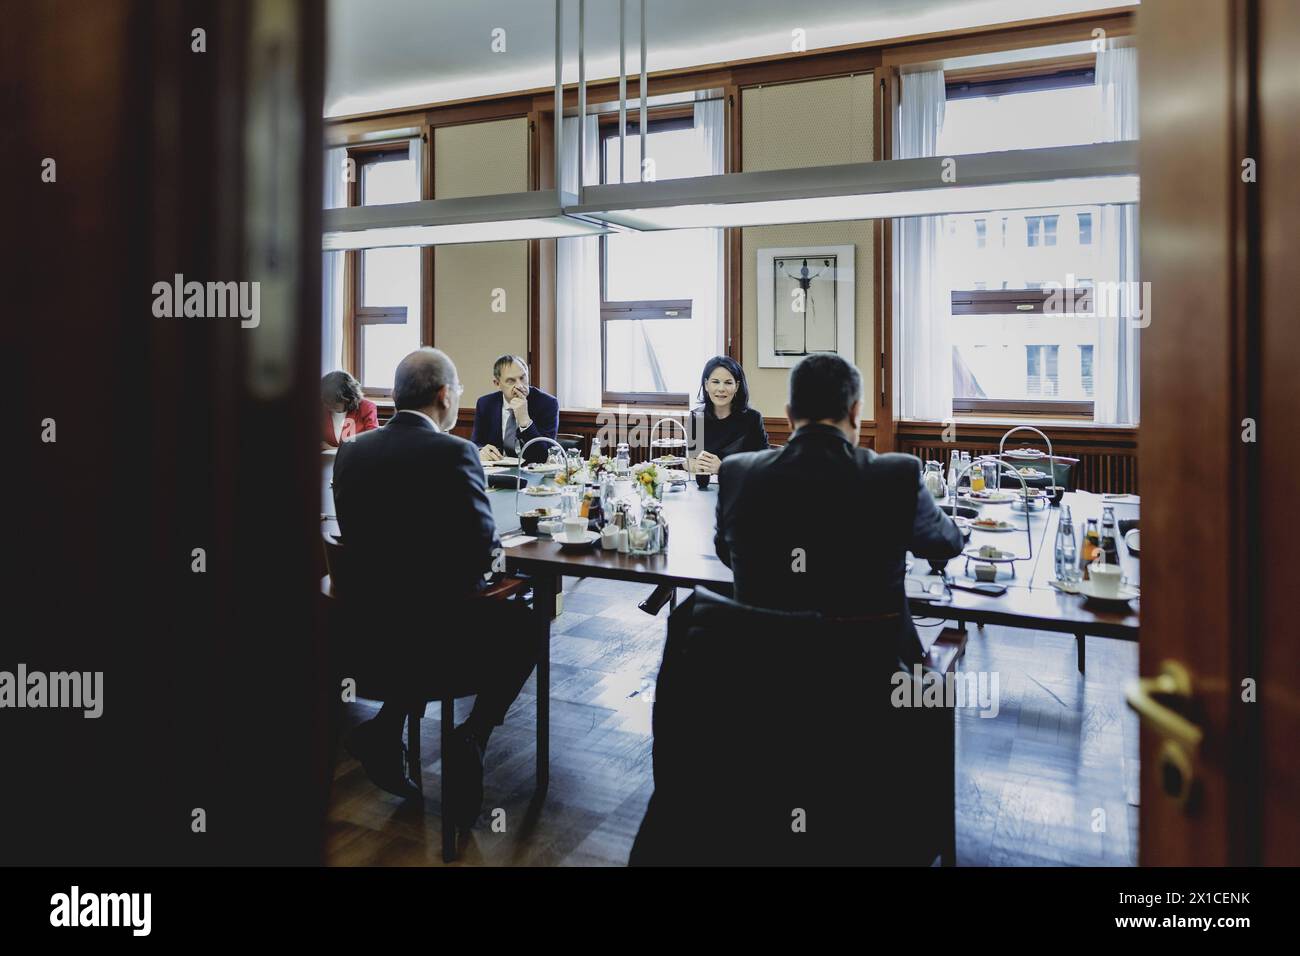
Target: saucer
<point>1088,590</point>
<point>586,540</point>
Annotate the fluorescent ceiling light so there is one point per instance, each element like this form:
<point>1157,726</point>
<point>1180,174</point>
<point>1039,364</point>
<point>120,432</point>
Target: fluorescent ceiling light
<point>1096,174</point>
<point>429,222</point>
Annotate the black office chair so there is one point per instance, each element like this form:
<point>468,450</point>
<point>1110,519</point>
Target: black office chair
<point>571,442</point>
<point>373,684</point>
<point>776,741</point>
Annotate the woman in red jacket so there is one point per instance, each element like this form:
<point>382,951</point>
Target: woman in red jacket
<point>344,413</point>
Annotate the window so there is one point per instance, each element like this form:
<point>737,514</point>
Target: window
<point>657,293</point>
<point>385,305</point>
<point>1085,369</point>
<point>1019,351</point>
<point>1022,326</point>
<point>1042,369</point>
<point>1040,230</point>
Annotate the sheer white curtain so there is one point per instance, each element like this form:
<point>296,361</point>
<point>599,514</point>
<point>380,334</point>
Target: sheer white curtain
<point>577,284</point>
<point>923,356</point>
<point>709,302</point>
<point>331,340</point>
<point>1116,366</point>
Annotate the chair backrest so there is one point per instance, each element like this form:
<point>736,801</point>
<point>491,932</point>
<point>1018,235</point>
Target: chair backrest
<point>572,442</point>
<point>763,718</point>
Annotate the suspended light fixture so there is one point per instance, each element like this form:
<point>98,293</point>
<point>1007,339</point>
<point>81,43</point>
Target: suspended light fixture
<point>536,214</point>
<point>1094,174</point>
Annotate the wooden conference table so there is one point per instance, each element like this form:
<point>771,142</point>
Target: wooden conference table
<point>690,561</point>
<point>1030,601</point>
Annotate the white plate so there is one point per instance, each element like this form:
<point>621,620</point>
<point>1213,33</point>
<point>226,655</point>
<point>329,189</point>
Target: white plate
<point>541,491</point>
<point>1001,529</point>
<point>974,552</point>
<point>543,467</point>
<point>1031,473</point>
<point>1088,590</point>
<point>587,539</point>
<point>997,497</point>
<point>504,462</point>
<point>1034,509</point>
<point>1024,454</point>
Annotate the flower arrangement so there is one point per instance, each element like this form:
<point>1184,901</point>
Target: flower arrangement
<point>649,478</point>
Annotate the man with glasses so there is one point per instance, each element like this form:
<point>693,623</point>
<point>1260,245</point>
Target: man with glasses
<point>418,537</point>
<point>508,418</point>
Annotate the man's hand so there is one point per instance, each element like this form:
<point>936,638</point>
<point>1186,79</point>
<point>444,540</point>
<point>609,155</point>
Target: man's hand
<point>489,453</point>
<point>518,403</point>
<point>707,463</point>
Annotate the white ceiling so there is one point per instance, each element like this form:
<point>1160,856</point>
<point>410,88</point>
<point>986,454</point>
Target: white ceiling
<point>394,53</point>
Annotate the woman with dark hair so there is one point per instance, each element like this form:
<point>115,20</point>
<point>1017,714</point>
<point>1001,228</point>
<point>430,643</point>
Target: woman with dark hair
<point>724,423</point>
<point>344,413</point>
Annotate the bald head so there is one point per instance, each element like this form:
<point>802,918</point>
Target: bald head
<point>418,385</point>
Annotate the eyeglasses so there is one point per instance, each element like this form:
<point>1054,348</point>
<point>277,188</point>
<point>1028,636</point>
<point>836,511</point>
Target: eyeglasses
<point>930,588</point>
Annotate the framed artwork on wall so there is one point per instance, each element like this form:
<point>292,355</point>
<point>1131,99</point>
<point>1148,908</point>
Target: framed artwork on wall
<point>805,303</point>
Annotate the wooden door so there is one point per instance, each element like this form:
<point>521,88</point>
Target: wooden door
<point>1218,87</point>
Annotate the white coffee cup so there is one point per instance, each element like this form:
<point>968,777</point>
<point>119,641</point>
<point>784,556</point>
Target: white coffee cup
<point>1106,578</point>
<point>575,527</point>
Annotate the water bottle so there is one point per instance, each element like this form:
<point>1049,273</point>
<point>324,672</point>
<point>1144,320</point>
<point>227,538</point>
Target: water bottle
<point>623,460</point>
<point>595,448</point>
<point>1067,560</point>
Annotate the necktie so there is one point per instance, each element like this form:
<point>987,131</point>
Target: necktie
<point>512,433</point>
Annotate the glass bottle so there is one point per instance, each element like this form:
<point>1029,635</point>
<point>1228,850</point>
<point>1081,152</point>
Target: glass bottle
<point>607,495</point>
<point>1091,547</point>
<point>977,477</point>
<point>1109,542</point>
<point>965,463</point>
<point>954,463</point>
<point>623,459</point>
<point>1067,563</point>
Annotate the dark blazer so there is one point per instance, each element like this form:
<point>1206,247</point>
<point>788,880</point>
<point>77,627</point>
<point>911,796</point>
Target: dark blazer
<point>416,526</point>
<point>820,525</point>
<point>543,409</point>
<point>739,431</point>
<point>365,418</point>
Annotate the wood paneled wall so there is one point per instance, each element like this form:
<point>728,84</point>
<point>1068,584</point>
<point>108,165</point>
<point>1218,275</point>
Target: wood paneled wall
<point>1107,456</point>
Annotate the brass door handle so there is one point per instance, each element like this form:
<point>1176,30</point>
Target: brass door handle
<point>1174,680</point>
<point>1181,738</point>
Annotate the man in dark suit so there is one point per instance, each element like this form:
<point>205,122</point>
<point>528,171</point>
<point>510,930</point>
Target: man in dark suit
<point>418,536</point>
<point>821,524</point>
<point>516,413</point>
